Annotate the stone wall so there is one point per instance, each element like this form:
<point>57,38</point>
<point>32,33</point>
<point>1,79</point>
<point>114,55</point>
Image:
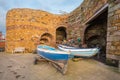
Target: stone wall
<point>80,18</point>
<point>113,35</point>
<point>82,14</point>
<point>26,26</point>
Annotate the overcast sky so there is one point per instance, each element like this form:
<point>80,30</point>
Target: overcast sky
<point>52,6</point>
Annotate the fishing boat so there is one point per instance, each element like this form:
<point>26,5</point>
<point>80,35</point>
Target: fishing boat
<point>57,57</point>
<point>81,52</point>
<point>67,47</point>
<point>51,53</point>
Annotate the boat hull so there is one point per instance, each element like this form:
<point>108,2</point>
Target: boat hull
<point>59,59</point>
<point>51,56</point>
<point>52,53</point>
<point>67,47</point>
<point>88,52</point>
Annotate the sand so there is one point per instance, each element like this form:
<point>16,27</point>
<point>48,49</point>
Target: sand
<point>21,67</point>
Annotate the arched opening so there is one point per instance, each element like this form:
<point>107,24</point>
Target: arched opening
<point>93,41</point>
<point>47,35</point>
<point>46,39</point>
<point>60,34</point>
<point>95,34</point>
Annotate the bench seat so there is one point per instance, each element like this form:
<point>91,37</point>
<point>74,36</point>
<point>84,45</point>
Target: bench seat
<point>19,49</point>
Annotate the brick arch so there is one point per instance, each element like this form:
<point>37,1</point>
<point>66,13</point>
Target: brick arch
<point>46,38</point>
<point>44,41</point>
<point>95,34</point>
<point>83,35</point>
<point>64,26</point>
<point>47,35</point>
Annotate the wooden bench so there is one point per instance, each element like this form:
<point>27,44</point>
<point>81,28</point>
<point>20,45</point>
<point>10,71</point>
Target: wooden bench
<point>19,49</point>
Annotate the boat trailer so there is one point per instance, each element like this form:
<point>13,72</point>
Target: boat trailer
<point>59,65</point>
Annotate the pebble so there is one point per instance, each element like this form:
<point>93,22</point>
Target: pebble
<point>18,76</point>
<point>1,72</point>
<point>9,66</point>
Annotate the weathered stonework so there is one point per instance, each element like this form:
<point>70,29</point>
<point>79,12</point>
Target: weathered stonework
<point>113,30</point>
<point>26,27</point>
<point>87,13</point>
<point>84,12</point>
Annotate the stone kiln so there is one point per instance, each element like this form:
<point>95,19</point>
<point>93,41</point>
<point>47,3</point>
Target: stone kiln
<point>96,22</point>
<point>29,28</point>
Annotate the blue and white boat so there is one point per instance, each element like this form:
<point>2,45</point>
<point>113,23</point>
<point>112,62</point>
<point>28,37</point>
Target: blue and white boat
<point>82,52</point>
<point>51,53</point>
<point>58,58</point>
<point>65,46</point>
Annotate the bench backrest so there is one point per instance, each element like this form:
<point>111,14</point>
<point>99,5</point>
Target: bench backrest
<point>19,48</point>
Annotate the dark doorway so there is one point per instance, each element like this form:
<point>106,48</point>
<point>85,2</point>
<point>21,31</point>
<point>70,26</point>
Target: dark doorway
<point>96,34</point>
<point>60,34</point>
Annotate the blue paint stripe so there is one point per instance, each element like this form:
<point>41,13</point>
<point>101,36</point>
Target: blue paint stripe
<point>54,56</point>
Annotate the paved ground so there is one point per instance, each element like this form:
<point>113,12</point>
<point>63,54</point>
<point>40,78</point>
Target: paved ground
<point>21,67</point>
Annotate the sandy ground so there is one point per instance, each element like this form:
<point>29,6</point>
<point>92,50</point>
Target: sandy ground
<point>21,67</point>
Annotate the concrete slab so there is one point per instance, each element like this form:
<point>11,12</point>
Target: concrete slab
<point>21,67</point>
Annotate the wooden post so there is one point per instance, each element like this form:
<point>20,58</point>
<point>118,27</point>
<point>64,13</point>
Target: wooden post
<point>119,66</point>
<point>98,55</point>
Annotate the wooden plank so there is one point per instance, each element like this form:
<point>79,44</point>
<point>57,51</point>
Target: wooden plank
<point>59,65</point>
<point>119,65</point>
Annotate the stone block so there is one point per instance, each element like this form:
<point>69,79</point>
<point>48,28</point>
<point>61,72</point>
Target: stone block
<point>116,43</point>
<point>117,11</point>
<point>116,33</point>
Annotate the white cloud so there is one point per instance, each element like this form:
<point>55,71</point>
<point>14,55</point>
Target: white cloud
<point>53,6</point>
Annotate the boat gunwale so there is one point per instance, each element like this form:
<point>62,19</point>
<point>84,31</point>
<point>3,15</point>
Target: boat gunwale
<point>78,49</point>
<point>53,51</point>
